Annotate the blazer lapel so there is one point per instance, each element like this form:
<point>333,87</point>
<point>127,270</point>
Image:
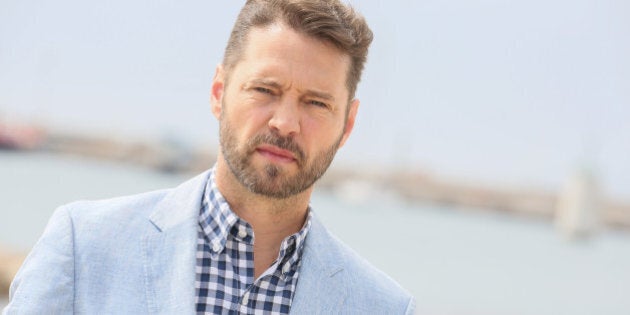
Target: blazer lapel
<point>170,250</point>
<point>322,283</point>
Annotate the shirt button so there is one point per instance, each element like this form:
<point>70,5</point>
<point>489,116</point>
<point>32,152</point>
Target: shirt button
<point>245,299</point>
<point>286,268</point>
<point>242,233</point>
<point>216,247</point>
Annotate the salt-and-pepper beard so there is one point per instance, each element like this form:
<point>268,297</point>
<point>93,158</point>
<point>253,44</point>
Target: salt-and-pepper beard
<point>273,182</point>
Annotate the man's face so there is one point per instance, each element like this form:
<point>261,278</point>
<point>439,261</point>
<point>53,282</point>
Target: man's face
<point>283,114</point>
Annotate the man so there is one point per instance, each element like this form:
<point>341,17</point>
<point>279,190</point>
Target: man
<point>240,238</point>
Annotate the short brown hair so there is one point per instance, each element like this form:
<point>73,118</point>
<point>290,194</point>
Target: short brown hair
<point>327,20</point>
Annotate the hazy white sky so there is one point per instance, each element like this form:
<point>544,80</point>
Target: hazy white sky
<point>499,91</point>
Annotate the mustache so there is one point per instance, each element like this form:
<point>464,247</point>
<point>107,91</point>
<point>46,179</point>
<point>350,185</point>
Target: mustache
<point>285,143</point>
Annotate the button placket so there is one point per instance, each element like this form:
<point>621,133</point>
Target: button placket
<point>245,299</point>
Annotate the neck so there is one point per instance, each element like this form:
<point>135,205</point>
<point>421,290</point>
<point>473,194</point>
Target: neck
<point>272,219</point>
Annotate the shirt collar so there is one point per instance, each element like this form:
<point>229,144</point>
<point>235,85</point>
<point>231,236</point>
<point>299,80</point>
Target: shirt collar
<point>216,218</point>
<point>292,247</point>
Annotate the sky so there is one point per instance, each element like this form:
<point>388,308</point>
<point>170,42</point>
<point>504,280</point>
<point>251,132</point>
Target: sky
<point>488,91</point>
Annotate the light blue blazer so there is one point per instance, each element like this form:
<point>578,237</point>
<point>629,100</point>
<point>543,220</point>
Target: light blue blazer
<point>136,255</point>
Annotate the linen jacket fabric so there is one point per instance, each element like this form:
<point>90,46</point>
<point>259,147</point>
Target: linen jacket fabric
<point>136,255</point>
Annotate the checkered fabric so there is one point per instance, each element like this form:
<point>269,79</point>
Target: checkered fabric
<point>225,281</point>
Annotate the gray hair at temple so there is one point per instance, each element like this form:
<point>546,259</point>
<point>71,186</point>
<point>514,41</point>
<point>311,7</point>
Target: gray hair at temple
<point>328,20</point>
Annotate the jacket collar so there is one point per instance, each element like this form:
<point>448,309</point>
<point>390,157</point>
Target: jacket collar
<point>181,204</point>
<point>170,249</point>
<point>320,274</point>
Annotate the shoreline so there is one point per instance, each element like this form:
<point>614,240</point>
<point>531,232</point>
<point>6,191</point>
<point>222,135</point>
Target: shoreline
<point>417,187</point>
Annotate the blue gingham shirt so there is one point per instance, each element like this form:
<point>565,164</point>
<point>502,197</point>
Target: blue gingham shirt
<point>225,281</point>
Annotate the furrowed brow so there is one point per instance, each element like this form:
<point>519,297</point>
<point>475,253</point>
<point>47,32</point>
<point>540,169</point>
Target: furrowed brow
<point>320,95</point>
<point>265,82</point>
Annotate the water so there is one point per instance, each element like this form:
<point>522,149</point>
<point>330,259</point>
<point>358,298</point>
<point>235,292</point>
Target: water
<point>454,261</point>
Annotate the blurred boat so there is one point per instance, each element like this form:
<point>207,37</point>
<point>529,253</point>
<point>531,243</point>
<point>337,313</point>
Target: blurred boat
<point>20,137</point>
<point>578,213</point>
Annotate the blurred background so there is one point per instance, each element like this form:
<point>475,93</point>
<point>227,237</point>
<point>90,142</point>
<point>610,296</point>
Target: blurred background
<point>488,172</point>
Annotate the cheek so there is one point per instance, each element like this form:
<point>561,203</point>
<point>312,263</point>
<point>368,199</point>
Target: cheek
<point>246,115</point>
<point>321,133</point>
<point>248,123</point>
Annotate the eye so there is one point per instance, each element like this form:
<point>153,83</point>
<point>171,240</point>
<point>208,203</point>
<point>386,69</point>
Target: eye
<point>262,90</point>
<point>318,103</point>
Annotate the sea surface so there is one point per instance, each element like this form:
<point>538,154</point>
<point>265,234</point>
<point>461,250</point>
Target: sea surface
<point>453,260</point>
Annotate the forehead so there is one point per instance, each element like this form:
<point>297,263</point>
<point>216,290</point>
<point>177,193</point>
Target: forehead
<point>279,52</point>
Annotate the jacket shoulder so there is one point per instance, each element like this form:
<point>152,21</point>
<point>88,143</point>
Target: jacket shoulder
<point>113,209</point>
<point>339,270</point>
<point>373,289</point>
<point>91,249</point>
<point>142,204</point>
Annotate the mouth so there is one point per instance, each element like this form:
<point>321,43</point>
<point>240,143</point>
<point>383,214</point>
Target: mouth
<point>276,154</point>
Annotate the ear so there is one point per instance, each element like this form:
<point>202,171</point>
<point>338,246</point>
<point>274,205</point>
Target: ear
<point>352,115</point>
<point>216,92</point>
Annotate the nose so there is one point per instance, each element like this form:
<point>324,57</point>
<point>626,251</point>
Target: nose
<point>285,119</point>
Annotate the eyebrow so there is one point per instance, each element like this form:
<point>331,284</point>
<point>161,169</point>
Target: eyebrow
<point>266,82</point>
<point>274,84</point>
<point>321,95</point>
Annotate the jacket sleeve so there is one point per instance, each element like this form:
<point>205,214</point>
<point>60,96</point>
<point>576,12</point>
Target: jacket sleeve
<point>45,282</point>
